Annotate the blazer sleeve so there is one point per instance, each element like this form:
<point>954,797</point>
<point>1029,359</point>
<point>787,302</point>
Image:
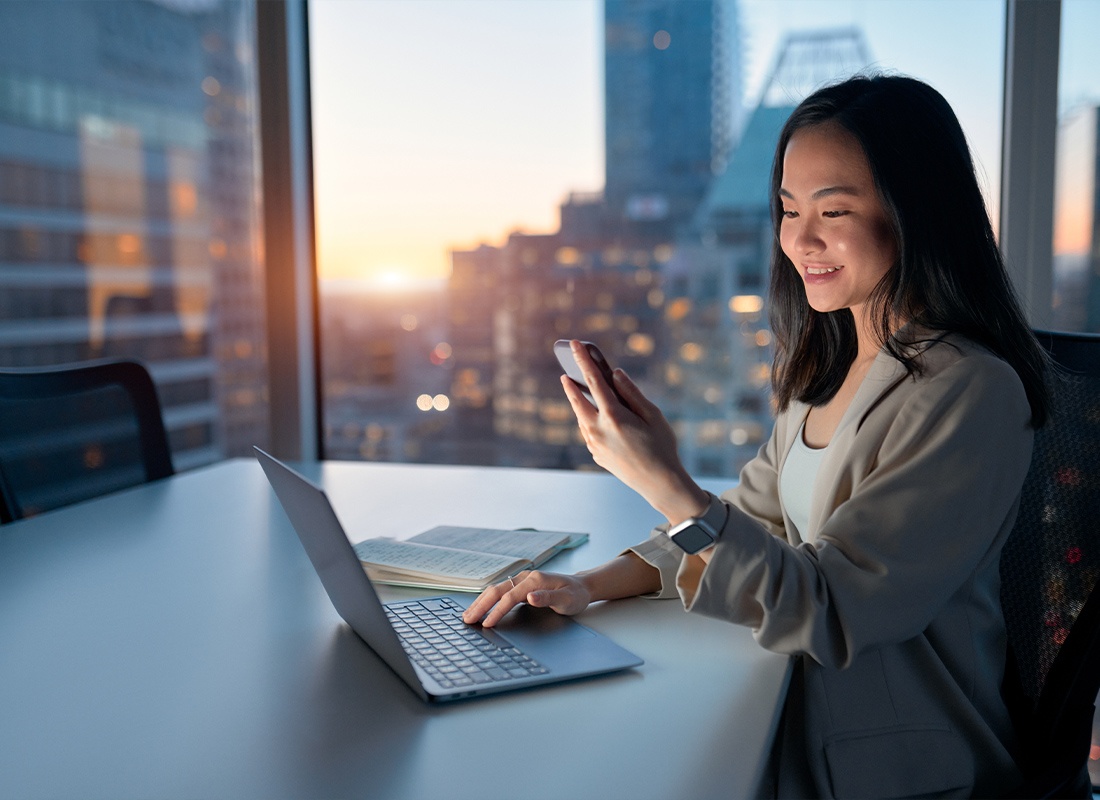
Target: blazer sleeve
<point>945,481</point>
<point>756,494</point>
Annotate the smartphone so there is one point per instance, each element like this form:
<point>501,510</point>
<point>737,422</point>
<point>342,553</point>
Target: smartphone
<point>564,354</point>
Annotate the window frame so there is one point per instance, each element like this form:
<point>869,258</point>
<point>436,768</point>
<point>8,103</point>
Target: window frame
<point>1030,125</point>
<point>290,262</point>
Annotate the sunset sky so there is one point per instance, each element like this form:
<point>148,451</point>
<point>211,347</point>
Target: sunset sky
<point>440,124</point>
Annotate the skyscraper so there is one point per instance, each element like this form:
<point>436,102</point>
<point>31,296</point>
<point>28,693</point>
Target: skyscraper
<point>668,95</point>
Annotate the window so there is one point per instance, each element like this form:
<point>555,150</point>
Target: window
<point>481,191</point>
<point>1077,174</point>
<point>128,204</point>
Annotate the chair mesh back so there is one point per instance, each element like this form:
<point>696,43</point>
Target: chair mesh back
<point>64,449</point>
<point>1052,559</point>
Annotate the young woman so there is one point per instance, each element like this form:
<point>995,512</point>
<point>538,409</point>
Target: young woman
<point>865,536</point>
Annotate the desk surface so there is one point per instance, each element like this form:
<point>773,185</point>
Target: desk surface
<point>173,641</point>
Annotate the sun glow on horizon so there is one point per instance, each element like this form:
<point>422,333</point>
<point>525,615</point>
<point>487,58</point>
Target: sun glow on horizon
<point>392,279</point>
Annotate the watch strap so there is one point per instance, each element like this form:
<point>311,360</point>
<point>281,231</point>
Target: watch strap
<point>715,515</point>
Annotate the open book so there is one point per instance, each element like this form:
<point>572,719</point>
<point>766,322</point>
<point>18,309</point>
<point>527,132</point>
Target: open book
<point>461,559</point>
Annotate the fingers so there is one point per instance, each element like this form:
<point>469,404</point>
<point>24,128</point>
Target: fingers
<point>496,601</point>
<point>562,593</point>
<point>601,391</point>
<point>575,396</point>
<point>635,400</point>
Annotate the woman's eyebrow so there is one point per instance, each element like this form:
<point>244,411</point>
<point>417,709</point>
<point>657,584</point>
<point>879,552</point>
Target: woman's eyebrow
<point>826,192</point>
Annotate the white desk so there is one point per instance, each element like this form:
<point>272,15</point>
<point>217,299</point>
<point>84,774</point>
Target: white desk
<point>173,641</point>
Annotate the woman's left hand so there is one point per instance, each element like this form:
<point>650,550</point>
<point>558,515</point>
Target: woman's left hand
<point>634,442</point>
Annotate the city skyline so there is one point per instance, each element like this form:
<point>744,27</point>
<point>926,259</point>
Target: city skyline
<point>399,184</point>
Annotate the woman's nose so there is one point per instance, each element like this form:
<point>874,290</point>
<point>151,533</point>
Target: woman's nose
<point>808,236</point>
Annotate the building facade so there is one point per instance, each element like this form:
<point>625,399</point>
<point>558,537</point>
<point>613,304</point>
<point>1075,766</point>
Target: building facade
<point>128,205</point>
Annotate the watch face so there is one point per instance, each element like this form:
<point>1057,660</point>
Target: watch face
<point>692,539</point>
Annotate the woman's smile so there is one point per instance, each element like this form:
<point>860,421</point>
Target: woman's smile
<point>816,272</point>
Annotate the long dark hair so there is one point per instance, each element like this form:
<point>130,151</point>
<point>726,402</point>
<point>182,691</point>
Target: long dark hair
<point>949,275</point>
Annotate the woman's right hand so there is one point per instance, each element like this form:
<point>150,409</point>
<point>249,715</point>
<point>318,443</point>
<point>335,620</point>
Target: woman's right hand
<point>565,594</point>
<point>633,440</point>
<point>623,576</point>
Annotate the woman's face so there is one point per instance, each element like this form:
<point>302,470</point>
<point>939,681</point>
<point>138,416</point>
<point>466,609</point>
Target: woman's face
<point>834,228</point>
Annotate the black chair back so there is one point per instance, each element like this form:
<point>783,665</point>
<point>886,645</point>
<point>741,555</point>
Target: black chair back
<point>1049,571</point>
<point>72,432</point>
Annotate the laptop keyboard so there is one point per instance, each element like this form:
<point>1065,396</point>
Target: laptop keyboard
<point>454,653</point>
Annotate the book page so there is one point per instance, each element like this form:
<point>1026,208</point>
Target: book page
<point>429,560</point>
<point>528,545</point>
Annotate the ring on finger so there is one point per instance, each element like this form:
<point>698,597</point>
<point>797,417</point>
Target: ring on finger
<point>513,582</point>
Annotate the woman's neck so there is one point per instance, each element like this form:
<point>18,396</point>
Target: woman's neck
<point>869,339</point>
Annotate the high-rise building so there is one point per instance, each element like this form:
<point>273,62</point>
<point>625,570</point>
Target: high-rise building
<point>474,293</point>
<point>128,204</point>
<point>669,94</point>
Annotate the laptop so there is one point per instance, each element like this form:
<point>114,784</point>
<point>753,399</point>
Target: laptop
<point>425,641</point>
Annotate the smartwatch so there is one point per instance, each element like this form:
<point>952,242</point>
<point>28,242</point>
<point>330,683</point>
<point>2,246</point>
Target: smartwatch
<point>696,534</point>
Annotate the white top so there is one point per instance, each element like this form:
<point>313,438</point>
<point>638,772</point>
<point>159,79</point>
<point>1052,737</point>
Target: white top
<point>796,483</point>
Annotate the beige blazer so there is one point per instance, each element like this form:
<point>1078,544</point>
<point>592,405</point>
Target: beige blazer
<point>891,599</point>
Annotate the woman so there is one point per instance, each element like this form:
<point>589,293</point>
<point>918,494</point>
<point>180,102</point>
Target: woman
<point>865,536</point>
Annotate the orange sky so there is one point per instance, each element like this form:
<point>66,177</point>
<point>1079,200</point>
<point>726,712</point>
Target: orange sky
<point>484,131</point>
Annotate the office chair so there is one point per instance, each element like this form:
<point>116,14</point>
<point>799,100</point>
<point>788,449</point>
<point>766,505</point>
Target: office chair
<point>1049,570</point>
<point>73,432</point>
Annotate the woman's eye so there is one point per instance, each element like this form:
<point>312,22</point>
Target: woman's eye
<point>834,214</point>
<point>789,214</point>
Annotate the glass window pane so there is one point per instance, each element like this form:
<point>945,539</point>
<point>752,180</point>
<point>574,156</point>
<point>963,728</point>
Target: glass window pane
<point>128,204</point>
<point>1077,196</point>
<point>1077,167</point>
<point>493,176</point>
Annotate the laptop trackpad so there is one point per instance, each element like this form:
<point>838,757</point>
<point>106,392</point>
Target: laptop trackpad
<point>558,642</point>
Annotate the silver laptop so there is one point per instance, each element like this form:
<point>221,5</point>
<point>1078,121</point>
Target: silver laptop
<point>425,641</point>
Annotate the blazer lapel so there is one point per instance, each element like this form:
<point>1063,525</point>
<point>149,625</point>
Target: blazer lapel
<point>885,373</point>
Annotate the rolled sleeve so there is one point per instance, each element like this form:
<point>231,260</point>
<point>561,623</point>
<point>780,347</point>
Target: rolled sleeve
<point>660,553</point>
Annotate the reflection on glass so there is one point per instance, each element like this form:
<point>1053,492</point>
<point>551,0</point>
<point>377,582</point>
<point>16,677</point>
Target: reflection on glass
<point>1076,187</point>
<point>128,224</point>
<point>545,203</point>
